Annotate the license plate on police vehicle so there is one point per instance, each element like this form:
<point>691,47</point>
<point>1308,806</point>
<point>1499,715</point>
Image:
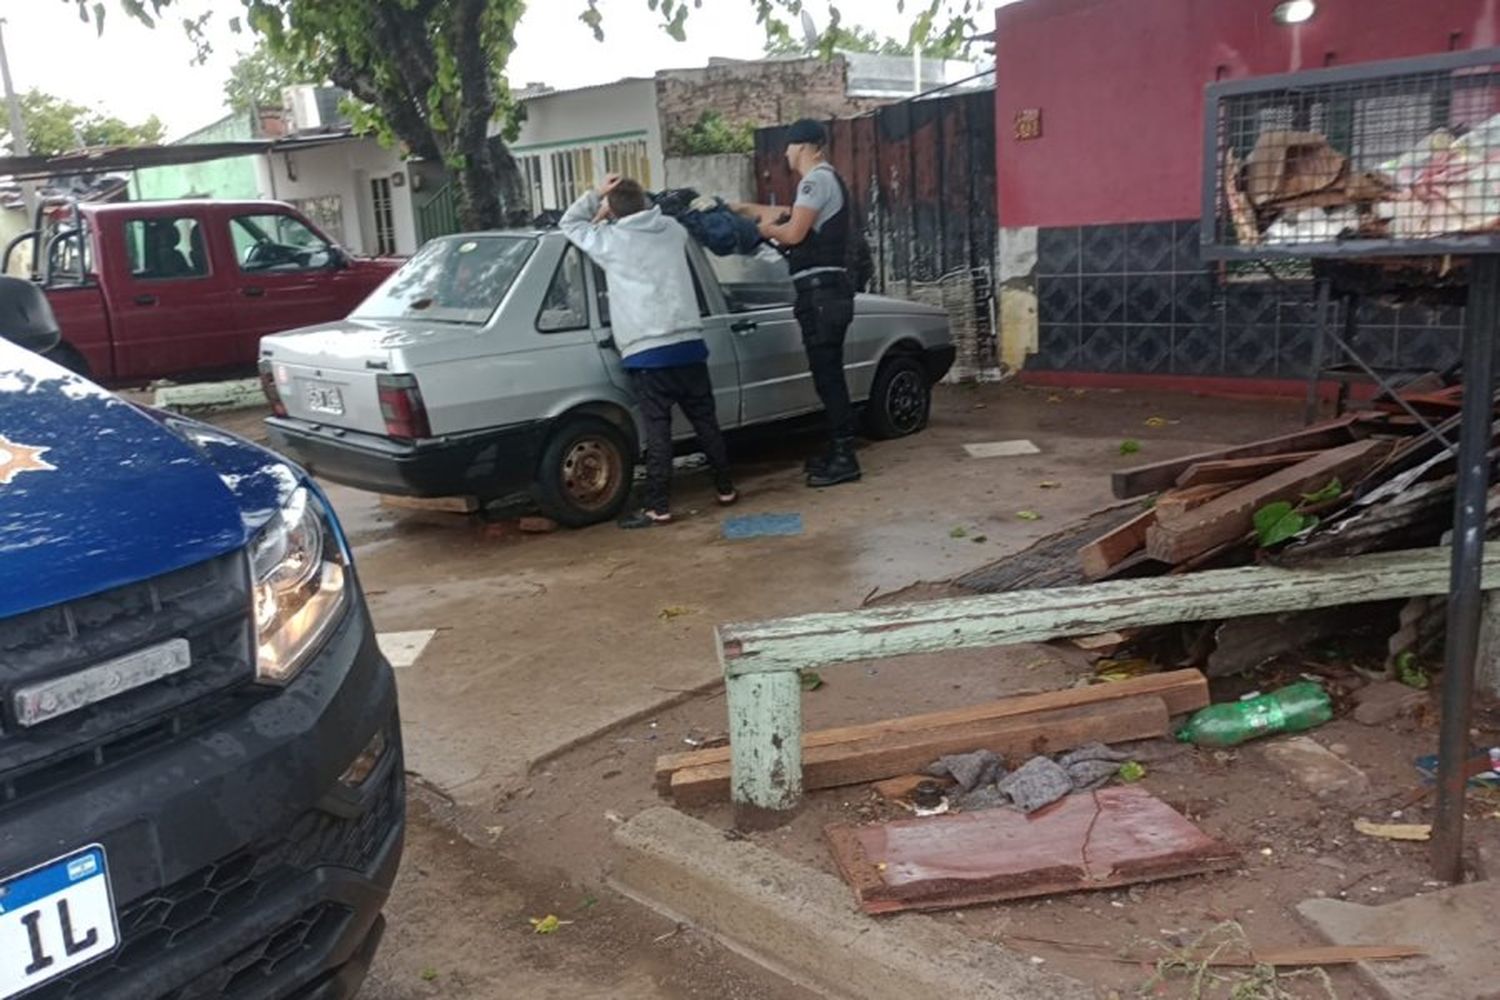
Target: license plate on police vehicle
<point>325,398</point>
<point>53,919</point>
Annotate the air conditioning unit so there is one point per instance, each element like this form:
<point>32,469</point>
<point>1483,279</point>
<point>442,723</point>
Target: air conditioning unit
<point>301,103</point>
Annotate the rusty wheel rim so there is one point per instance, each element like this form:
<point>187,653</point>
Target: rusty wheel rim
<point>591,473</point>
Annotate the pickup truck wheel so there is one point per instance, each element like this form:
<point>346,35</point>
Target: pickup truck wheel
<point>900,398</point>
<point>586,473</point>
<point>68,356</point>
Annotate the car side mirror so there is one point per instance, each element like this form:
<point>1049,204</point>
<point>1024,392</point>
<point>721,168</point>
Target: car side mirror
<point>338,260</point>
<point>26,316</point>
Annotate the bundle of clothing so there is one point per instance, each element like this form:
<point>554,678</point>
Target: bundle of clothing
<point>710,221</point>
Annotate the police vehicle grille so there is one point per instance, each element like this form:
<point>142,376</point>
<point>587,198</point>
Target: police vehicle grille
<point>191,913</point>
<point>207,604</point>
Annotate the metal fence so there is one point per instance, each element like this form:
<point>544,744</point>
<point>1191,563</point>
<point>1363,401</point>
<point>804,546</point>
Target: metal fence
<point>439,216</point>
<point>922,177</point>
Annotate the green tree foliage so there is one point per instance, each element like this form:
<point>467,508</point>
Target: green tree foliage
<point>431,73</point>
<point>857,39</point>
<point>55,126</point>
<point>711,134</point>
<point>257,79</point>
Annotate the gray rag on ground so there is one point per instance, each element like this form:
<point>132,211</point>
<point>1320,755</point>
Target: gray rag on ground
<point>984,784</point>
<point>970,770</point>
<point>1039,782</point>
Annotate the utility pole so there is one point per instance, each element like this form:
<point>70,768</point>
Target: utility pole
<point>19,146</point>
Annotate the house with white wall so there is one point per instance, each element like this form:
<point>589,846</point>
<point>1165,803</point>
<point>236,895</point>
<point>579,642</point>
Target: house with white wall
<point>571,138</point>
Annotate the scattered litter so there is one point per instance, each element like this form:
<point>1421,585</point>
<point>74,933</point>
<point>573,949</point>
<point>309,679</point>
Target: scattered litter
<point>1292,709</point>
<point>1001,449</point>
<point>811,679</point>
<point>403,648</point>
<point>1156,421</point>
<point>980,539</point>
<point>1394,831</point>
<point>1049,484</point>
<point>613,817</point>
<point>1132,771</point>
<point>959,532</point>
<point>1119,670</point>
<point>548,924</point>
<point>1028,515</point>
<point>1410,672</point>
<point>675,611</point>
<point>762,526</point>
<point>1054,398</point>
<point>1129,446</point>
<point>1482,769</point>
<point>1100,840</point>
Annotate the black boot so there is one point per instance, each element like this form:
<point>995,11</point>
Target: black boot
<point>841,467</point>
<point>815,463</point>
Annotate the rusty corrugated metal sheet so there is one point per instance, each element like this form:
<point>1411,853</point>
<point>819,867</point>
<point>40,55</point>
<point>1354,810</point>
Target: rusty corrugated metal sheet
<point>922,177</point>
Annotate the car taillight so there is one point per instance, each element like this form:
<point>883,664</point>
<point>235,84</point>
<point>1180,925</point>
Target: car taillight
<point>402,407</point>
<point>268,386</point>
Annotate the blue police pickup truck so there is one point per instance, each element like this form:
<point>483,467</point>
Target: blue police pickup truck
<point>201,785</point>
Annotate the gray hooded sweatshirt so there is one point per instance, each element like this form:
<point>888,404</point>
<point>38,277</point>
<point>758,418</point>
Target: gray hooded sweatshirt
<point>651,298</point>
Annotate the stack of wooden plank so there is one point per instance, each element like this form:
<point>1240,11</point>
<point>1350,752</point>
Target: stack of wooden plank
<point>1016,728</point>
<point>1395,491</point>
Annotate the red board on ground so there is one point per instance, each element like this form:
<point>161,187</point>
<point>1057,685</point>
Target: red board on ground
<point>1093,840</point>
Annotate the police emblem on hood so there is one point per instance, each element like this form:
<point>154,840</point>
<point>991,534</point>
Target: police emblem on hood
<point>16,458</point>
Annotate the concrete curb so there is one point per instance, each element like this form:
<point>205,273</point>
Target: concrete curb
<point>802,923</point>
<point>211,397</point>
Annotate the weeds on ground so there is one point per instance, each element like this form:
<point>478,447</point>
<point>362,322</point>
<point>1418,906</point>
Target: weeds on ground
<point>1193,964</point>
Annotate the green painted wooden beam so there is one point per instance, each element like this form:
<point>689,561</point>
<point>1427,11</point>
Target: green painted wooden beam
<point>761,660</point>
<point>791,644</point>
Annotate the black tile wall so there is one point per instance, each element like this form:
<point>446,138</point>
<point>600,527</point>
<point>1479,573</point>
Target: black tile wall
<point>1136,298</point>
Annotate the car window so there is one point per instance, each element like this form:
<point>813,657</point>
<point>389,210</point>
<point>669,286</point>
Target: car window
<point>566,306</point>
<point>455,279</point>
<point>754,281</point>
<point>277,243</point>
<point>601,292</point>
<point>165,248</point>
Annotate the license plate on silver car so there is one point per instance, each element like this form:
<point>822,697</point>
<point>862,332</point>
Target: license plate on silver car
<point>53,919</point>
<point>324,398</point>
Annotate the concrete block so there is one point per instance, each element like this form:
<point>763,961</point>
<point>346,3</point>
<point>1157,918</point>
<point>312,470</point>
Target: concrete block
<point>803,924</point>
<point>1455,926</point>
<point>1316,768</point>
<point>1385,702</point>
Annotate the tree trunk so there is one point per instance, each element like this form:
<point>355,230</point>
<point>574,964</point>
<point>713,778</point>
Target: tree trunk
<point>515,199</point>
<point>478,191</point>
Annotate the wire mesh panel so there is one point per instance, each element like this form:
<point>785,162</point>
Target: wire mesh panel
<point>1398,158</point>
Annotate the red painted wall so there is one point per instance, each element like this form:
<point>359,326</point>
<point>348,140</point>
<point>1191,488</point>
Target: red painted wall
<point>1120,86</point>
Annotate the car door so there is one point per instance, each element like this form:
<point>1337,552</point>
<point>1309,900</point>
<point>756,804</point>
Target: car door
<point>757,297</point>
<point>723,362</point>
<point>168,300</point>
<point>285,274</point>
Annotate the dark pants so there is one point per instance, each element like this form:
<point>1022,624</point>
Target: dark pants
<point>824,315</point>
<point>689,387</point>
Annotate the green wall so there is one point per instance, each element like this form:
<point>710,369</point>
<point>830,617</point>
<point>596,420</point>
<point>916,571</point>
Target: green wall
<point>231,178</point>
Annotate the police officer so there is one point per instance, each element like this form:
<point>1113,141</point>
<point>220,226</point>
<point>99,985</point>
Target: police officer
<point>815,239</point>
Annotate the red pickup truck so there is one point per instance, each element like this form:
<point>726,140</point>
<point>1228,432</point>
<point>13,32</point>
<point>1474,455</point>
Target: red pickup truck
<point>168,288</point>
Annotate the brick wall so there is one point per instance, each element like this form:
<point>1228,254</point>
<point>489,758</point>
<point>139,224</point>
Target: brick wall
<point>764,93</point>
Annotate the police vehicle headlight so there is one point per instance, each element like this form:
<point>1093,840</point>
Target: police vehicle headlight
<point>299,577</point>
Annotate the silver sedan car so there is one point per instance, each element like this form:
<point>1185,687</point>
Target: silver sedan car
<point>484,367</point>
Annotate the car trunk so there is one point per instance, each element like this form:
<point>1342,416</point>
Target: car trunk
<point>330,375</point>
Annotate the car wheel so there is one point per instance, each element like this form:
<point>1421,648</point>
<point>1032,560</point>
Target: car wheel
<point>900,399</point>
<point>67,355</point>
<point>586,472</point>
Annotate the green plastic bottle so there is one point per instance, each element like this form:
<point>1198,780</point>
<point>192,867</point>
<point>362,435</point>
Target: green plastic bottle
<point>1292,709</point>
